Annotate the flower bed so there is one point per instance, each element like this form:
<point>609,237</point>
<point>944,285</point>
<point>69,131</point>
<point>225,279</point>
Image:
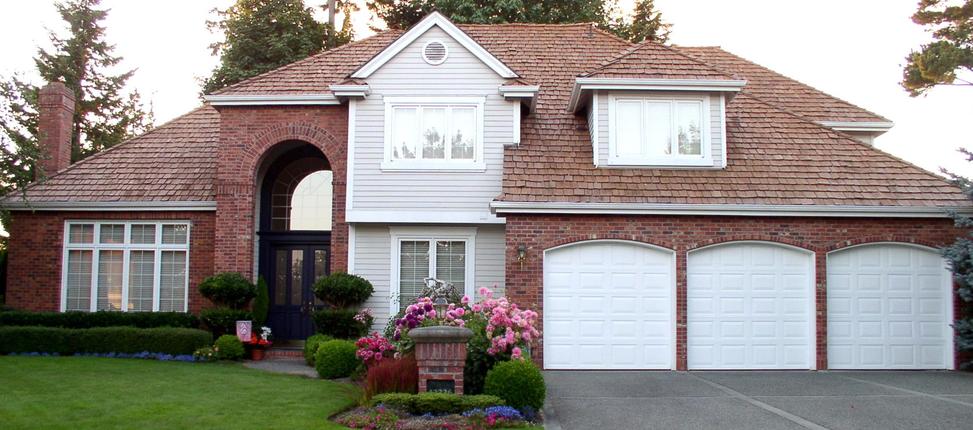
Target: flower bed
<point>385,418</point>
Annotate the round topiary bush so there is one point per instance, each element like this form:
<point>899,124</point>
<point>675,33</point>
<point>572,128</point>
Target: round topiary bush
<point>228,289</point>
<point>229,347</point>
<point>341,323</point>
<point>341,290</point>
<point>336,359</point>
<point>517,382</point>
<point>311,346</point>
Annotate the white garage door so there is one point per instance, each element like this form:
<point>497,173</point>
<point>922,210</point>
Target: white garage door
<point>888,308</point>
<point>608,305</point>
<point>749,306</point>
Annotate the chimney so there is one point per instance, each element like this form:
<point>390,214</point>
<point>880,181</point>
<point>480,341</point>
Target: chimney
<point>55,125</point>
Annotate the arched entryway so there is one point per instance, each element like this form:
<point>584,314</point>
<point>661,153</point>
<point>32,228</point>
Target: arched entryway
<point>294,230</point>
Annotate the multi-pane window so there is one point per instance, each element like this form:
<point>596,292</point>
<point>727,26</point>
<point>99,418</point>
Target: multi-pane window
<point>659,131</point>
<point>427,133</point>
<point>444,259</point>
<point>126,266</point>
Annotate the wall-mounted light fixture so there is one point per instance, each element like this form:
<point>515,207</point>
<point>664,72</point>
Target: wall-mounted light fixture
<point>521,254</point>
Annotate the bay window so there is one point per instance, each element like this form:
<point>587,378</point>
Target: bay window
<point>433,133</point>
<point>665,131</point>
<point>125,266</point>
<point>446,254</point>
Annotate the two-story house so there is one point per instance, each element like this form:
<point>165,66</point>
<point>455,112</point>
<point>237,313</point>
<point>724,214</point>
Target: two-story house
<point>662,207</point>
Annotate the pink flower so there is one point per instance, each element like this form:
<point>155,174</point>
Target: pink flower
<point>465,300</point>
<point>516,354</point>
<point>477,308</point>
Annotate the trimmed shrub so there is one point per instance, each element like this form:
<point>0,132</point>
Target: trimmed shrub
<point>229,347</point>
<point>229,289</point>
<point>517,382</point>
<point>222,321</point>
<point>435,403</point>
<point>342,290</point>
<point>336,359</point>
<point>340,323</point>
<point>393,376</point>
<point>76,319</point>
<point>261,303</point>
<point>311,346</point>
<point>130,340</point>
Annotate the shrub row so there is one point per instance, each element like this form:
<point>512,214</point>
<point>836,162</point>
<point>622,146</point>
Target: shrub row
<point>65,341</point>
<point>435,403</point>
<point>98,319</point>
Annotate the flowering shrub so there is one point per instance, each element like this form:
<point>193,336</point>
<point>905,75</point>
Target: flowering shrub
<point>494,416</point>
<point>262,340</point>
<point>378,418</point>
<point>373,348</point>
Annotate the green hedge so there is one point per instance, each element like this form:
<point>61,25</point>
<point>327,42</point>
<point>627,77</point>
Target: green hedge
<point>65,341</point>
<point>99,319</point>
<point>435,403</point>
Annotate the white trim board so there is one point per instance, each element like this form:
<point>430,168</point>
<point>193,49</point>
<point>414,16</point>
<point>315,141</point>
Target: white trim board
<point>273,100</point>
<point>875,126</point>
<point>112,206</point>
<point>582,85</point>
<point>724,210</point>
<point>434,19</point>
<point>432,216</point>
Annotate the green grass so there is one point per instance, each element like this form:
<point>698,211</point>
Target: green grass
<point>104,393</point>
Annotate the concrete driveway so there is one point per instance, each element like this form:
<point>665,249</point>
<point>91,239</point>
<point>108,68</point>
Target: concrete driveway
<point>881,400</point>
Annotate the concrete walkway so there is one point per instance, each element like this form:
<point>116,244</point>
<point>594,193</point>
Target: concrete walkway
<point>284,365</point>
<point>877,400</point>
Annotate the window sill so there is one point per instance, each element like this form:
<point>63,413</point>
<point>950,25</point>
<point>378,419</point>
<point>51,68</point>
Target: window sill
<point>388,166</point>
<point>663,162</point>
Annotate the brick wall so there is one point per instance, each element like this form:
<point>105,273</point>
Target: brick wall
<point>36,252</point>
<point>246,135</point>
<point>685,233</point>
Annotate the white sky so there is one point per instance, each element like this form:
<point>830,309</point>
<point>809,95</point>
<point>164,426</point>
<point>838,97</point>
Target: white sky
<point>851,49</point>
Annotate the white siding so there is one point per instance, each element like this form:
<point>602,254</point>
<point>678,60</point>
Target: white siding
<point>373,261</point>
<point>716,126</point>
<point>463,196</point>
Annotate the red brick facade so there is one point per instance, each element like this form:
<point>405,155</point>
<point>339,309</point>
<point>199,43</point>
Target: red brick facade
<point>441,361</point>
<point>524,283</point>
<point>36,252</point>
<point>246,135</point>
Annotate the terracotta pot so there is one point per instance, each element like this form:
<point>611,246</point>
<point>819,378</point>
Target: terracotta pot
<point>257,354</point>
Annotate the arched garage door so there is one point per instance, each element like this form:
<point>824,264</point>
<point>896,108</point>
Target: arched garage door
<point>889,307</point>
<point>608,305</point>
<point>749,306</point>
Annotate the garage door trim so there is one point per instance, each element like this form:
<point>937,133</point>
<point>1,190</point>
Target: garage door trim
<point>812,293</point>
<point>947,286</point>
<point>672,274</point>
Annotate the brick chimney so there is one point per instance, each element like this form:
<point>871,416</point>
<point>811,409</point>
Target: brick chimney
<point>55,125</point>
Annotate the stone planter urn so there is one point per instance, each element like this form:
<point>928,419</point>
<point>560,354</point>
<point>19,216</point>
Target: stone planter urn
<point>441,355</point>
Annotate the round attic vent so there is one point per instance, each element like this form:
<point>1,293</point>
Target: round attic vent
<point>434,52</point>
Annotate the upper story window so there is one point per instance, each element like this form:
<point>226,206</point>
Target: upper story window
<point>125,266</point>
<point>664,131</point>
<point>433,133</point>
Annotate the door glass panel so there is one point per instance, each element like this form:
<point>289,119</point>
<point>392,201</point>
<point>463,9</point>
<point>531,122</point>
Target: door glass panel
<point>320,270</point>
<point>297,276</point>
<point>280,277</point>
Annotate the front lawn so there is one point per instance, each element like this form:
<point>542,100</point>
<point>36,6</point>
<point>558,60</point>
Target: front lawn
<point>83,392</point>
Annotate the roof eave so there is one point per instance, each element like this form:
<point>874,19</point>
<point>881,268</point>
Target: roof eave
<point>582,85</point>
<point>324,99</point>
<point>504,207</point>
<point>875,128</point>
<point>526,94</point>
<point>110,206</point>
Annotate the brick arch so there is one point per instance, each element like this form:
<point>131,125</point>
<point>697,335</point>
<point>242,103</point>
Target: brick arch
<point>772,239</point>
<point>263,144</point>
<point>893,239</point>
<point>569,240</point>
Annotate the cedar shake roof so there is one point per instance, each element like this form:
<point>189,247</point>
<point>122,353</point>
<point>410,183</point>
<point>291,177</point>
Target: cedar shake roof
<point>781,91</point>
<point>174,162</point>
<point>776,152</point>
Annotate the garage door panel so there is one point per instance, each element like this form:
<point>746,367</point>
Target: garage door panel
<point>898,318</point>
<point>758,299</point>
<point>622,314</point>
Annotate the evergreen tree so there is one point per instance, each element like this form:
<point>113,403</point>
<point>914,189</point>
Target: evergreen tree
<point>937,63</point>
<point>105,114</point>
<point>262,35</point>
<point>402,14</point>
<point>959,255</point>
<point>646,24</point>
<point>336,37</point>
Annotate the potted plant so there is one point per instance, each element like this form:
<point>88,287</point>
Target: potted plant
<point>259,344</point>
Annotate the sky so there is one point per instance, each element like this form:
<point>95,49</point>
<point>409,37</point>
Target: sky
<point>852,49</point>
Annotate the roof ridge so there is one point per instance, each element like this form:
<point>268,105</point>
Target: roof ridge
<point>768,69</point>
<point>639,46</point>
<point>103,152</point>
<point>527,24</point>
<point>847,137</point>
<point>302,61</point>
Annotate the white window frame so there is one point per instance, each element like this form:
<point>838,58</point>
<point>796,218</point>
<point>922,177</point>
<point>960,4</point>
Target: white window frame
<point>126,247</point>
<point>675,159</point>
<point>409,234</point>
<point>445,165</point>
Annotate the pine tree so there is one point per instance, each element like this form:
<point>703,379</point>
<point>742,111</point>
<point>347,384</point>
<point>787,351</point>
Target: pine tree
<point>262,35</point>
<point>646,24</point>
<point>105,114</point>
<point>402,14</point>
<point>937,63</point>
<point>959,255</point>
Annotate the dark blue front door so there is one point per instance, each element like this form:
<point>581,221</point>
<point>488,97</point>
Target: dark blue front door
<point>291,270</point>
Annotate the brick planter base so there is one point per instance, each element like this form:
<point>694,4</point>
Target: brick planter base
<point>441,356</point>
